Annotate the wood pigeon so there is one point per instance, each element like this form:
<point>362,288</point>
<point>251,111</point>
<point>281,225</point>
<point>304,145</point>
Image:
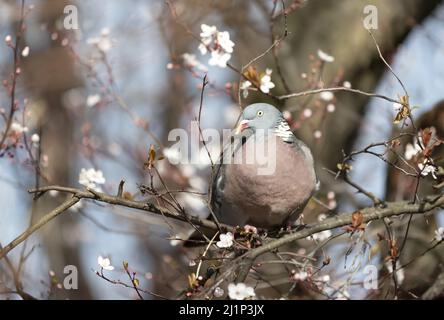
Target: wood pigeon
<point>266,194</point>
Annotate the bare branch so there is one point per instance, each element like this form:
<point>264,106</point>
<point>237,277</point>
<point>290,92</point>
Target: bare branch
<point>244,263</point>
<point>333,89</point>
<point>47,218</point>
<point>102,197</point>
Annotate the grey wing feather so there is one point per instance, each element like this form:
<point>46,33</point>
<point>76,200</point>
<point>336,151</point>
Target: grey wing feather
<point>301,147</point>
<point>217,188</point>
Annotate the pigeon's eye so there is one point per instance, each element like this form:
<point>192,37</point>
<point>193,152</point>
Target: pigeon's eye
<point>260,113</point>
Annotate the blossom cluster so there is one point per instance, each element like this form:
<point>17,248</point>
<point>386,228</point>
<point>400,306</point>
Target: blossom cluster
<point>91,178</point>
<point>216,42</point>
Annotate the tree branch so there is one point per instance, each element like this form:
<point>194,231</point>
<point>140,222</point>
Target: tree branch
<point>436,290</point>
<point>44,220</point>
<point>102,197</point>
<point>243,264</point>
<point>334,89</point>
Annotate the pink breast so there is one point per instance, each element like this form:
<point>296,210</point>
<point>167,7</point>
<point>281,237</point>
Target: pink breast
<point>268,199</point>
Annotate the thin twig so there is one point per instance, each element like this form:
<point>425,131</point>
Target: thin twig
<point>334,89</point>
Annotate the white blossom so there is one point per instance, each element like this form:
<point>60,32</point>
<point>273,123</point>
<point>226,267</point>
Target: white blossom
<point>218,292</point>
<point>218,42</point>
<point>190,60</point>
<point>206,36</point>
<point>194,202</point>
<point>331,107</point>
<point>8,39</point>
<point>307,113</point>
<point>104,263</point>
<point>332,204</point>
<point>327,95</point>
<point>35,138</point>
<point>439,234</point>
<point>25,52</point>
<point>114,148</point>
<point>93,100</point>
<point>244,87</point>
<point>226,240</point>
<point>105,32</point>
<point>266,83</point>
<point>18,128</point>
<point>219,58</point>
<point>202,48</point>
<point>103,43</point>
<point>54,193</point>
<point>223,39</point>
<point>91,178</point>
<point>321,236</point>
<point>427,169</point>
<point>192,263</point>
<point>206,156</point>
<point>347,84</point>
<point>250,228</point>
<point>325,56</point>
<point>399,273</point>
<point>411,150</point>
<point>287,115</point>
<point>240,291</point>
<point>317,134</point>
<point>300,276</point>
<point>172,154</point>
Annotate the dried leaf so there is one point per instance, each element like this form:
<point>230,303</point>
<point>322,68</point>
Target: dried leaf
<point>192,280</point>
<point>252,75</point>
<point>404,112</point>
<point>357,223</point>
<point>375,250</point>
<point>357,219</point>
<point>395,143</point>
<point>128,196</point>
<point>344,167</point>
<point>393,249</point>
<point>326,261</point>
<point>151,158</point>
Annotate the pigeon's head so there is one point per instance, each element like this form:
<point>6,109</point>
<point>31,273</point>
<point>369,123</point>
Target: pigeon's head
<point>259,116</point>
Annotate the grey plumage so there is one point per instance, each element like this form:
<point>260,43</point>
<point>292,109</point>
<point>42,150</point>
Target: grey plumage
<point>241,195</point>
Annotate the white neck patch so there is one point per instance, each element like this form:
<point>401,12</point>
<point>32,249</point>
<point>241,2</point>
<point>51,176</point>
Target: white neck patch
<point>283,130</point>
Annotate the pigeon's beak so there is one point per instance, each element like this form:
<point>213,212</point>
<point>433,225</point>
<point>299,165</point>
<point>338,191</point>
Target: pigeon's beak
<point>242,126</point>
